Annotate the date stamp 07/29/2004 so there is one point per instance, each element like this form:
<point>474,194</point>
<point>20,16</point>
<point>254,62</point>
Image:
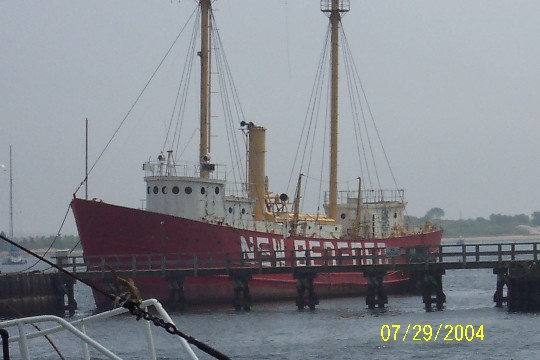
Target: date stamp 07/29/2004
<point>432,333</point>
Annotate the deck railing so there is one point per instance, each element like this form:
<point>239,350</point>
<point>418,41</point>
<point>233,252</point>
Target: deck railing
<point>78,329</point>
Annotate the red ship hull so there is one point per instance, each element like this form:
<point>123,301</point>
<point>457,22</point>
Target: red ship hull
<point>106,229</point>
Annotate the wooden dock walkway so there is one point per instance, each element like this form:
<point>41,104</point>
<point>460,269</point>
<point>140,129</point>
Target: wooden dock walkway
<point>443,257</point>
<point>515,264</point>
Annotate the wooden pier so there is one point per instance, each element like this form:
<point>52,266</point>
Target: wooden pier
<point>515,264</point>
<point>25,294</point>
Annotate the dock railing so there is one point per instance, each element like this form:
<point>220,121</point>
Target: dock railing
<point>320,260</point>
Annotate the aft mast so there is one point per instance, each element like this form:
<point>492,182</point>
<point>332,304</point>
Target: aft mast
<point>206,27</point>
<point>334,8</point>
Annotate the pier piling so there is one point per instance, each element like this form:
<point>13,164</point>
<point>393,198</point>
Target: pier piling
<point>376,294</point>
<point>432,289</point>
<point>304,282</point>
<point>502,281</point>
<point>34,293</point>
<point>242,297</point>
<point>177,298</point>
<point>523,286</point>
<point>67,286</point>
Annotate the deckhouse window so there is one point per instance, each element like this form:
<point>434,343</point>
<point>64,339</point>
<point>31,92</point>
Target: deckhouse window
<point>164,189</point>
<point>156,190</point>
<point>188,190</point>
<point>217,190</point>
<point>175,190</point>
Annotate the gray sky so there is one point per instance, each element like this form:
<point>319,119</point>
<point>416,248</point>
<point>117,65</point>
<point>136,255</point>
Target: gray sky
<point>453,85</point>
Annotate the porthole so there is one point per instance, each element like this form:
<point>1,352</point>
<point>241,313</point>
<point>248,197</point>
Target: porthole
<point>217,190</point>
<point>203,190</point>
<point>148,190</point>
<point>164,189</point>
<point>343,216</point>
<point>395,215</point>
<point>175,190</point>
<point>243,211</point>
<point>156,189</point>
<point>188,189</point>
<point>230,210</point>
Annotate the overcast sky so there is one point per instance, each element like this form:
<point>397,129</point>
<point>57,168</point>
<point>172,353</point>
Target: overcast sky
<point>454,87</point>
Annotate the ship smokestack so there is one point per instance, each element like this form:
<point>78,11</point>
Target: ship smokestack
<point>257,168</point>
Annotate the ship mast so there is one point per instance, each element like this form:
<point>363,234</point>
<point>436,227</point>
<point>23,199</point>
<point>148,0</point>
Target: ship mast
<point>206,27</point>
<point>334,8</point>
<point>10,195</point>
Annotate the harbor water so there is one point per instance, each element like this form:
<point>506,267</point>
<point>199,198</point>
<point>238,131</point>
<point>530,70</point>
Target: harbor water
<point>471,327</point>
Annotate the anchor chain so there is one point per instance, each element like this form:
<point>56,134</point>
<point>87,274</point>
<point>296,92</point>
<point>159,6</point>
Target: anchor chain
<point>139,313</point>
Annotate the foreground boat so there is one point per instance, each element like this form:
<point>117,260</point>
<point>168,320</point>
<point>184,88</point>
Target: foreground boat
<point>188,211</point>
<point>28,330</point>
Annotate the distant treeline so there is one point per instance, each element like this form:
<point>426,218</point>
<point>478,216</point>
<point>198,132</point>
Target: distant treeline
<point>495,225</point>
<point>43,242</point>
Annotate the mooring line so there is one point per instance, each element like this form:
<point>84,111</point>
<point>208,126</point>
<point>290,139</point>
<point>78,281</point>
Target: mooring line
<point>14,310</point>
<point>131,306</point>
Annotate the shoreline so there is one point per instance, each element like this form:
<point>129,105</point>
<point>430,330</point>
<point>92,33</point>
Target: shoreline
<point>494,239</point>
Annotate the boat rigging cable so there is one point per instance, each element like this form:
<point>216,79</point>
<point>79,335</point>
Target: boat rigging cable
<point>182,92</point>
<point>132,106</point>
<point>52,243</point>
<point>356,90</point>
<point>360,113</point>
<point>312,113</point>
<point>133,308</point>
<point>232,110</point>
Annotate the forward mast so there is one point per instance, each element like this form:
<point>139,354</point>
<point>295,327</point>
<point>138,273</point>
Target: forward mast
<point>204,54</point>
<point>334,8</point>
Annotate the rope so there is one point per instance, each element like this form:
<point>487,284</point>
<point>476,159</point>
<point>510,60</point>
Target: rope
<point>133,106</point>
<point>183,90</point>
<point>356,75</point>
<point>131,306</point>
<point>17,312</point>
<point>55,266</point>
<point>52,243</point>
<point>312,113</point>
<point>232,108</point>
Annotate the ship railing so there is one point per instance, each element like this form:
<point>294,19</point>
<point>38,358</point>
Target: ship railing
<point>238,190</point>
<point>369,196</point>
<point>49,324</point>
<point>343,5</point>
<point>161,168</point>
<point>372,253</point>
